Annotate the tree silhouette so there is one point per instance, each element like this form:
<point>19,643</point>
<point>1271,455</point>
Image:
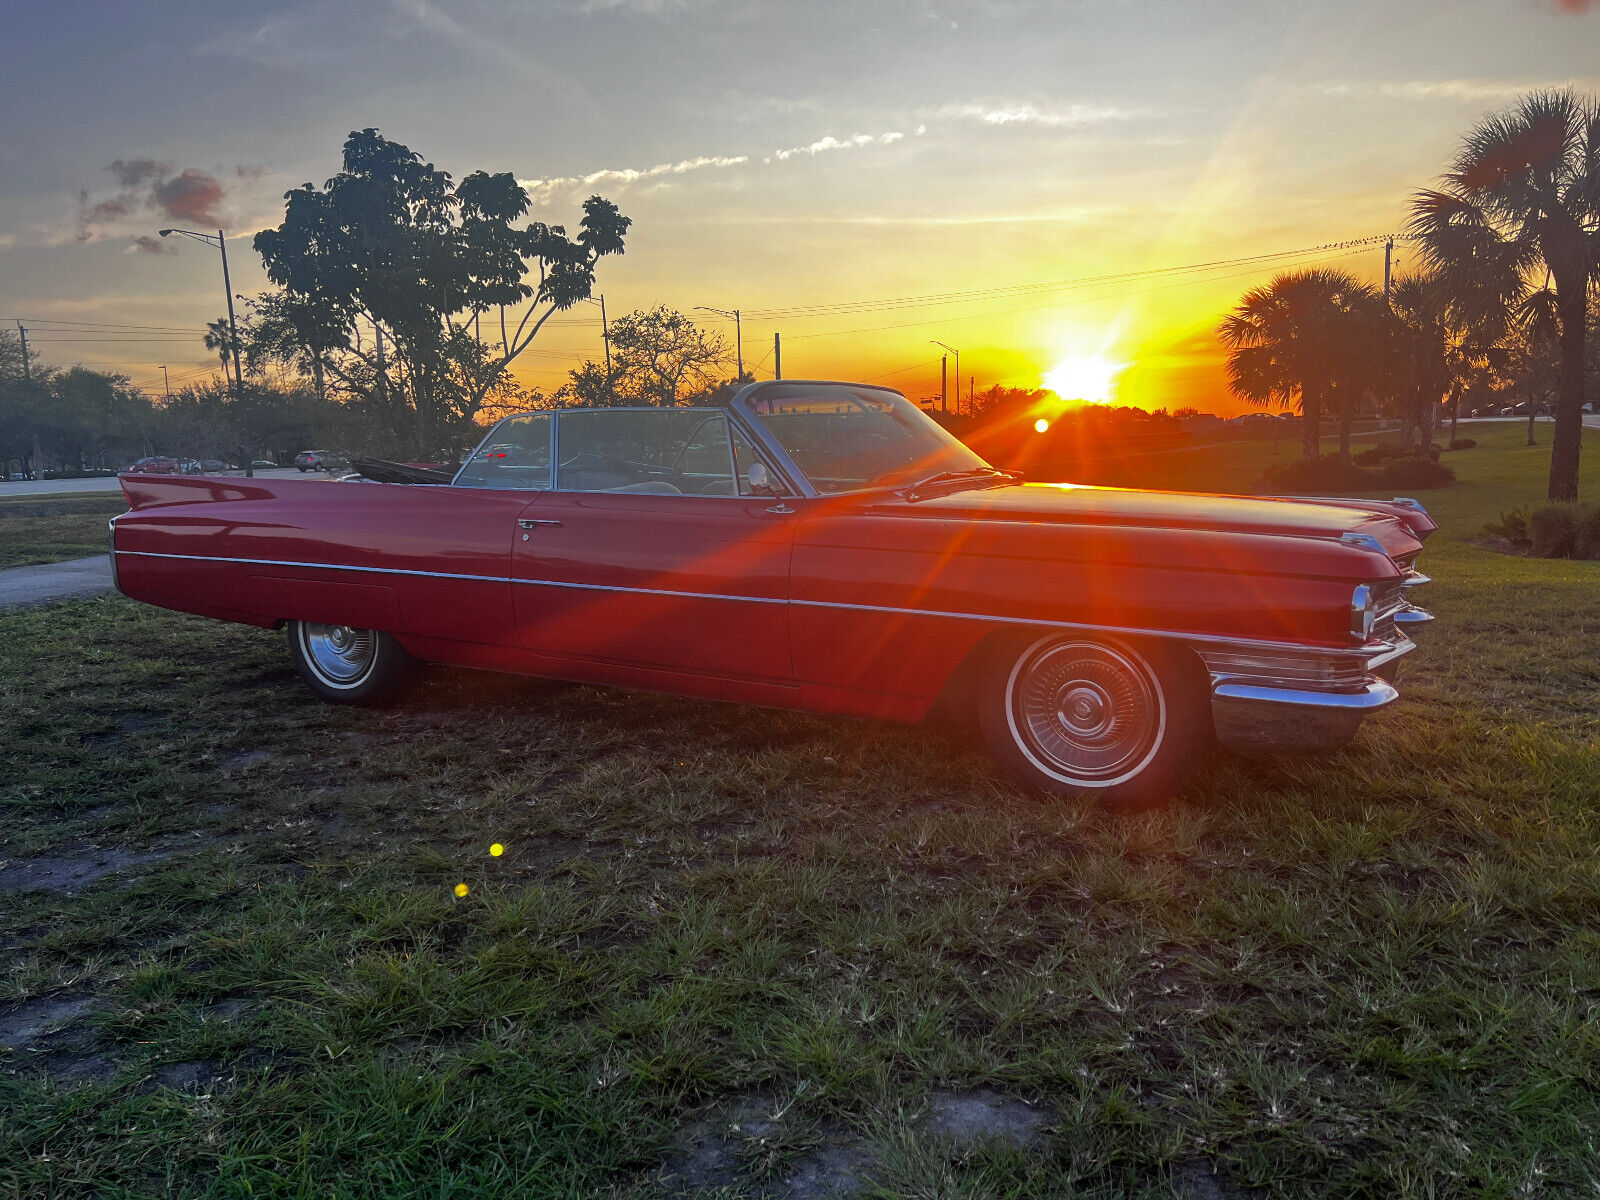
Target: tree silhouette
<point>1515,227</point>
<point>1299,339</point>
<point>389,268</point>
<point>658,357</point>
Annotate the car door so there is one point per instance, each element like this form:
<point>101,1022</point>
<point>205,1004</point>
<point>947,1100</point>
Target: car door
<point>647,553</point>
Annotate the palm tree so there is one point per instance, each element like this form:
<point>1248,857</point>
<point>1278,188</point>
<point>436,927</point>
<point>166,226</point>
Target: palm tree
<point>1440,344</point>
<point>1521,203</point>
<point>1302,339</point>
<point>219,339</point>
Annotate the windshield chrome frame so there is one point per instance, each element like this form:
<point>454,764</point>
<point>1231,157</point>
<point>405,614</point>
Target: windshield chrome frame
<point>741,404</point>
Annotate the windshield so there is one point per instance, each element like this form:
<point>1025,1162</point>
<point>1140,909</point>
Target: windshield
<point>845,437</point>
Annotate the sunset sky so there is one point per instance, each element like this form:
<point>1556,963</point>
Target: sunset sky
<point>847,158</point>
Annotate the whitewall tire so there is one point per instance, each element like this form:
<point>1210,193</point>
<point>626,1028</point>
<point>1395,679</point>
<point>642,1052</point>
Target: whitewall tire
<point>346,665</point>
<point>1083,715</point>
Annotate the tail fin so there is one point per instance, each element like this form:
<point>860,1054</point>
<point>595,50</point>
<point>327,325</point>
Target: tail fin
<point>157,491</point>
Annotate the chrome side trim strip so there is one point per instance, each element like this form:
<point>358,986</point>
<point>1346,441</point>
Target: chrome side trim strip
<point>1374,695</point>
<point>1207,639</point>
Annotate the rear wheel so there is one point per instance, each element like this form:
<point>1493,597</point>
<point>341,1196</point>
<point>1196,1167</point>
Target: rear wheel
<point>1074,715</point>
<point>347,665</point>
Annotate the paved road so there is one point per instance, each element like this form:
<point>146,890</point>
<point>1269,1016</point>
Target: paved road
<point>61,487</point>
<point>22,586</point>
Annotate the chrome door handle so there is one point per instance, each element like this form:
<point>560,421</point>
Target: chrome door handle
<point>534,522</point>
<point>781,509</point>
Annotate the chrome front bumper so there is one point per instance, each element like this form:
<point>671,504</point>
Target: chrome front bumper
<point>1310,701</point>
<point>1256,717</point>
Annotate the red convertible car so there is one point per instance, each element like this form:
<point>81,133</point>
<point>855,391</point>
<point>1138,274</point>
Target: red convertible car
<point>820,546</point>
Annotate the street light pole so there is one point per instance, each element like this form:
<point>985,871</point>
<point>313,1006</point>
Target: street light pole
<point>166,382</point>
<point>957,353</point>
<point>221,242</point>
<point>738,331</point>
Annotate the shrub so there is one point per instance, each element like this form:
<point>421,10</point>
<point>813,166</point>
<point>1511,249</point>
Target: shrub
<point>1586,544</point>
<point>1328,474</point>
<point>1415,473</point>
<point>1325,474</point>
<point>1513,526</point>
<point>1463,444</point>
<point>1553,530</point>
<point>1371,457</point>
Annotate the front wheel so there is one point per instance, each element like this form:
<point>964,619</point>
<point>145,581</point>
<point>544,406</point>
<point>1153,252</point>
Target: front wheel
<point>345,665</point>
<point>1098,718</point>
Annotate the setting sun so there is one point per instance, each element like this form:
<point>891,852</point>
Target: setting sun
<point>1088,377</point>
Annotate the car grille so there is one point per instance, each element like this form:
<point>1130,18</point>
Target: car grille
<point>1308,669</point>
<point>1390,598</point>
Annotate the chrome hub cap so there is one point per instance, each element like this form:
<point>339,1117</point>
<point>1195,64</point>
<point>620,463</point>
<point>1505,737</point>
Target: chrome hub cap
<point>1086,712</point>
<point>342,656</point>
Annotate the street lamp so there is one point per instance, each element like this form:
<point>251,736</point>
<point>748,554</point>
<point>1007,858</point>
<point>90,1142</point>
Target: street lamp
<point>957,353</point>
<point>221,244</point>
<point>166,381</point>
<point>738,335</point>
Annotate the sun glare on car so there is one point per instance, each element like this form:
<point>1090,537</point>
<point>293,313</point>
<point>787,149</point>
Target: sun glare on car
<point>1087,377</point>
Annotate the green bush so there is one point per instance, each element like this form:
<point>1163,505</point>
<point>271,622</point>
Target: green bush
<point>1328,474</point>
<point>1415,473</point>
<point>1325,474</point>
<point>1463,444</point>
<point>1553,530</point>
<point>1587,542</point>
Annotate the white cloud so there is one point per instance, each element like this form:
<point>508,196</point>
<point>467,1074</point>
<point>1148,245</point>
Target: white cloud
<point>543,190</point>
<point>1065,117</point>
<point>1470,90</point>
<point>824,144</point>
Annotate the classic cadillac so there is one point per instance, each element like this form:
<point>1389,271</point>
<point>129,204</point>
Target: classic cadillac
<point>820,546</point>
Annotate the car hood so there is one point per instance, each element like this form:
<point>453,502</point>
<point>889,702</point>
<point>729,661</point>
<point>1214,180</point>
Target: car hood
<point>1086,505</point>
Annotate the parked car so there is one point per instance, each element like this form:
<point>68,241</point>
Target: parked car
<point>263,464</point>
<point>212,466</point>
<point>317,460</point>
<point>157,464</point>
<point>819,546</point>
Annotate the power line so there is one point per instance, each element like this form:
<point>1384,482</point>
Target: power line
<point>1058,304</point>
<point>913,301</point>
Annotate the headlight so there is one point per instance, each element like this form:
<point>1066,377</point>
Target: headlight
<point>1363,612</point>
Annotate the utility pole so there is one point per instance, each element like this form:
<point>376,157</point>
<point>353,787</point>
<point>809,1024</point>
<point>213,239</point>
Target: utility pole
<point>1388,268</point>
<point>27,377</point>
<point>944,391</point>
<point>777,356</point>
<point>166,383</point>
<point>605,333</point>
<point>957,353</point>
<point>738,331</point>
<point>233,327</point>
<point>972,387</point>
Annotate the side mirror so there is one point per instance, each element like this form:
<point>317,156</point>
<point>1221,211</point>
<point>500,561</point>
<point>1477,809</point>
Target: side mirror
<point>761,480</point>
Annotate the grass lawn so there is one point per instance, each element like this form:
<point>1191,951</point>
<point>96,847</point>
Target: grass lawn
<point>729,950</point>
<point>49,529</point>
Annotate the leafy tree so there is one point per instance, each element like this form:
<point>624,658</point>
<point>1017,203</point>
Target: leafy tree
<point>388,271</point>
<point>1305,338</point>
<point>658,357</point>
<point>1515,227</point>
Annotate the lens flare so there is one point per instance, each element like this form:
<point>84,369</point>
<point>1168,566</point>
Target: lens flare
<point>461,889</point>
<point>1041,425</point>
